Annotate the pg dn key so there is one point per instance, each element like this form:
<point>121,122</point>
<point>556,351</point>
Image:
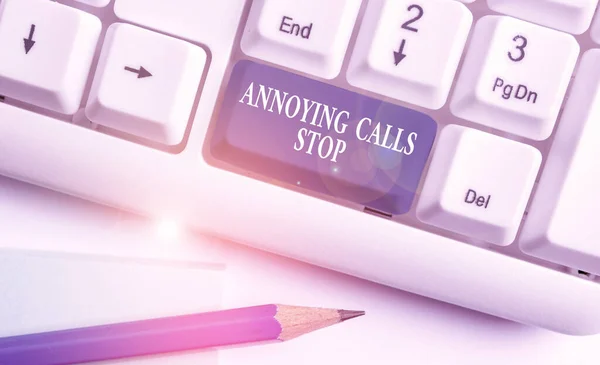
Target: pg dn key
<point>515,76</point>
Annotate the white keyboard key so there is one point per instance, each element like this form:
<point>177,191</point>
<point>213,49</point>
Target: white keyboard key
<point>309,36</point>
<point>467,1</point>
<point>410,52</point>
<point>595,29</point>
<point>515,76</point>
<point>96,3</point>
<point>47,50</point>
<point>478,184</point>
<point>573,16</point>
<point>145,84</point>
<point>213,23</point>
<point>562,224</point>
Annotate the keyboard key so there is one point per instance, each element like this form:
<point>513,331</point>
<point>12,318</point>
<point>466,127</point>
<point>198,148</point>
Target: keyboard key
<point>139,91</point>
<point>515,76</point>
<point>310,36</point>
<point>478,184</point>
<point>96,3</point>
<point>47,51</point>
<point>595,29</point>
<point>316,136</point>
<point>561,225</point>
<point>573,16</point>
<point>212,23</point>
<point>410,52</point>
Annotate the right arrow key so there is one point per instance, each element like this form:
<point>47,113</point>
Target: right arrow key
<point>145,84</point>
<point>410,51</point>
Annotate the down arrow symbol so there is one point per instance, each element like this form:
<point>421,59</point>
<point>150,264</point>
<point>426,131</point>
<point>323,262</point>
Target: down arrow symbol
<point>29,42</point>
<point>399,54</point>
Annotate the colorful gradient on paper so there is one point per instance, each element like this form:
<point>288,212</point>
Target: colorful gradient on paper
<point>365,158</point>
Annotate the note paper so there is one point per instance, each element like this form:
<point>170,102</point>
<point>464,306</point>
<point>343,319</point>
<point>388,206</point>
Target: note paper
<point>42,292</point>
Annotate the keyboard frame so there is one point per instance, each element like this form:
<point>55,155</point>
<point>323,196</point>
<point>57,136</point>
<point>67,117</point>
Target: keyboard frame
<point>189,186</point>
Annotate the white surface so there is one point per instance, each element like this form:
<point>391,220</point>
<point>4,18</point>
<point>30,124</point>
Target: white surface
<point>48,292</point>
<point>573,16</point>
<point>398,327</point>
<point>432,47</point>
<point>54,72</point>
<point>317,50</point>
<point>558,226</point>
<point>478,184</point>
<point>316,231</point>
<point>505,53</point>
<point>158,106</point>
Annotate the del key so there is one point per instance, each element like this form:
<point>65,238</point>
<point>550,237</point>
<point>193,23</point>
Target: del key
<point>478,184</point>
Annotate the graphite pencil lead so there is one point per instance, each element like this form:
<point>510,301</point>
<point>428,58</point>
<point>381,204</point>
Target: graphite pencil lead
<point>346,314</point>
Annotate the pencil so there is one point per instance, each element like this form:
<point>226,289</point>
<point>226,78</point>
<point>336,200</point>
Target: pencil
<point>248,325</point>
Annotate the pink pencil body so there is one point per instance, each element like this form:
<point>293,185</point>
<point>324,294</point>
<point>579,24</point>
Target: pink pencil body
<point>148,337</point>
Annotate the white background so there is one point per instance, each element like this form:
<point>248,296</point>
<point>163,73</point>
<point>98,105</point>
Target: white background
<point>399,328</point>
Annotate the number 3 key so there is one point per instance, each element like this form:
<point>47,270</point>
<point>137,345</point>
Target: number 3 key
<point>515,76</point>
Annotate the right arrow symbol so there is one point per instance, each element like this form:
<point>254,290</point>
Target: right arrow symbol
<point>399,54</point>
<point>141,73</point>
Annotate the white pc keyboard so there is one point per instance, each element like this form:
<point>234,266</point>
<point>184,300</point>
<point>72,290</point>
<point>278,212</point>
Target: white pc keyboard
<point>443,147</point>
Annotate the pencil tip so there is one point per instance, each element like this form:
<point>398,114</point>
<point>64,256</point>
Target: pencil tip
<point>346,314</point>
